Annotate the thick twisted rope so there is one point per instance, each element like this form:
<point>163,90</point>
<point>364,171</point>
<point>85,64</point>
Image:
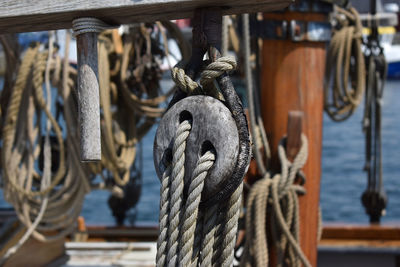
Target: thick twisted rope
<point>194,231</point>
<point>176,190</point>
<point>231,226</point>
<point>208,76</point>
<point>192,206</point>
<point>281,191</point>
<point>209,231</point>
<point>183,81</point>
<point>216,69</point>
<point>163,219</point>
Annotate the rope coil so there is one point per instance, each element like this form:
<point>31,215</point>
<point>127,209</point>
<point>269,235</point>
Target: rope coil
<point>348,85</point>
<point>87,25</point>
<point>282,193</point>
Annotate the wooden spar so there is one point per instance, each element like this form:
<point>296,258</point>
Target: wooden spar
<point>40,15</point>
<point>293,80</point>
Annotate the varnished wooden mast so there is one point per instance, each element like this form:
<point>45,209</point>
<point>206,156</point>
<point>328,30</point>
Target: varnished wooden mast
<point>293,80</point>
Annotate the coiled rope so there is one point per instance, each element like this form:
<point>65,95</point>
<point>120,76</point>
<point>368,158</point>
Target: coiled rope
<point>51,203</point>
<point>48,199</point>
<point>345,66</point>
<point>281,192</point>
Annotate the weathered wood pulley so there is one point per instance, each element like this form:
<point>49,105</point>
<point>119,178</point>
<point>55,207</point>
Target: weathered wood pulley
<point>212,127</point>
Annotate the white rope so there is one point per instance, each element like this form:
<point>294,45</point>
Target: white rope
<point>192,206</point>
<point>176,190</point>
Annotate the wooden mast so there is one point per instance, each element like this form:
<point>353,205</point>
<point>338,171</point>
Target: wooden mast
<point>292,80</point>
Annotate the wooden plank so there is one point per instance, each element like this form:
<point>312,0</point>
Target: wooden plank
<point>35,253</point>
<point>39,15</point>
<point>39,253</point>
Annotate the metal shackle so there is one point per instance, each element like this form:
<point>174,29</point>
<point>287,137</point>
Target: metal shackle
<point>212,127</point>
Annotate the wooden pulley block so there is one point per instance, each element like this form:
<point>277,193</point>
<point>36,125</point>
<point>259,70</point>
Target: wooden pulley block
<point>212,128</point>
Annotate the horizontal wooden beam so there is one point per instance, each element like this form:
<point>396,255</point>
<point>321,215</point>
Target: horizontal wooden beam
<point>41,15</point>
<point>363,232</point>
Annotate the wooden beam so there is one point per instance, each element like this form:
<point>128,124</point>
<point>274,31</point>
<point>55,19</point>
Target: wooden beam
<point>40,15</point>
<point>361,232</point>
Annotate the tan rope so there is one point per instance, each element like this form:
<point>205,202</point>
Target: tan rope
<point>348,85</point>
<point>282,194</point>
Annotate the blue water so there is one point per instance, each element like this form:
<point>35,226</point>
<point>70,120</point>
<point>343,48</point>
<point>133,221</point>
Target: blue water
<point>343,180</point>
<point>342,184</point>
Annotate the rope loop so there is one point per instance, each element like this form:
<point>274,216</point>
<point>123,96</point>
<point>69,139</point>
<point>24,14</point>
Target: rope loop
<point>344,83</point>
<point>216,69</point>
<point>86,25</point>
<point>209,74</point>
<point>183,81</point>
<point>278,196</point>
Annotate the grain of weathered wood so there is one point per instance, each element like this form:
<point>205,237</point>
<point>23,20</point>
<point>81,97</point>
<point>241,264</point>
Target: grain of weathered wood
<point>38,15</point>
<point>89,97</point>
<point>294,129</point>
<point>212,126</point>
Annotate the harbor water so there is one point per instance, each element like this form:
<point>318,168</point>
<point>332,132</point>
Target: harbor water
<point>342,183</point>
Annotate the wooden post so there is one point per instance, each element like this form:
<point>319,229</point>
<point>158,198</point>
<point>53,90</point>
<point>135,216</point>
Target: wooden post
<point>89,96</point>
<point>293,80</point>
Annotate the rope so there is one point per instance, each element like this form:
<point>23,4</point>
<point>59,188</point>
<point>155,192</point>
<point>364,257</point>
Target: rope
<point>340,100</point>
<point>176,189</point>
<point>188,239</point>
<point>87,25</point>
<point>208,76</point>
<point>257,137</point>
<point>216,69</point>
<point>209,232</point>
<point>48,197</point>
<point>163,218</point>
<point>53,205</point>
<point>192,206</point>
<point>47,169</point>
<point>183,81</point>
<point>274,197</point>
<point>281,191</point>
<point>231,226</point>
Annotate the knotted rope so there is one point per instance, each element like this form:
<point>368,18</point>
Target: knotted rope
<point>276,196</point>
<point>208,76</point>
<point>343,96</point>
